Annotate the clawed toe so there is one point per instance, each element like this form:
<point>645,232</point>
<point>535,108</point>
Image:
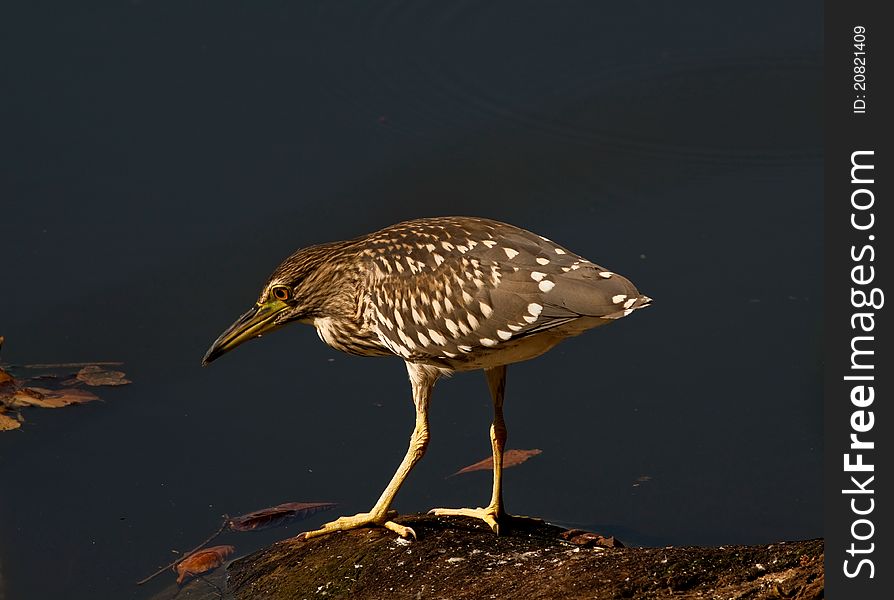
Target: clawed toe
<point>401,530</point>
<point>362,520</point>
<point>489,515</point>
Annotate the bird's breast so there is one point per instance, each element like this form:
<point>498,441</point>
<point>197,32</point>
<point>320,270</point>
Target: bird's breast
<point>347,336</point>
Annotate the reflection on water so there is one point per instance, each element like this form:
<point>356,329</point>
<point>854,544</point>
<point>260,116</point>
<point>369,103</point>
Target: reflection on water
<point>162,161</point>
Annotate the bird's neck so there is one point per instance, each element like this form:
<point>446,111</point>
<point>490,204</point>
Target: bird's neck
<point>339,316</point>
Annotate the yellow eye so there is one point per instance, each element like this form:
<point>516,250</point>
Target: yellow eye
<point>281,293</point>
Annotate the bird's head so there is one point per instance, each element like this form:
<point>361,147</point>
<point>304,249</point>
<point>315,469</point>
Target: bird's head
<point>298,290</point>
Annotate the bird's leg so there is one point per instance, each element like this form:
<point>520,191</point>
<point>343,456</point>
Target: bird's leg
<point>496,381</point>
<point>423,380</point>
<point>493,513</point>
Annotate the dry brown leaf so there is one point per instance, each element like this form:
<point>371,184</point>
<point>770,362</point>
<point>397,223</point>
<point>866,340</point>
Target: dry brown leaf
<point>7,385</point>
<point>74,365</point>
<point>277,515</point>
<point>511,458</point>
<point>44,377</point>
<point>96,375</point>
<point>36,397</point>
<point>588,539</point>
<point>76,396</point>
<point>17,393</point>
<point>202,561</point>
<point>44,398</point>
<point>7,423</point>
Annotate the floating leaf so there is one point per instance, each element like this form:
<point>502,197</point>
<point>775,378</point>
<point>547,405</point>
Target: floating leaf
<point>34,397</point>
<point>511,458</point>
<point>44,398</point>
<point>7,423</point>
<point>7,385</point>
<point>96,375</point>
<point>202,561</point>
<point>277,515</point>
<point>44,377</point>
<point>17,393</point>
<point>75,395</point>
<point>74,365</point>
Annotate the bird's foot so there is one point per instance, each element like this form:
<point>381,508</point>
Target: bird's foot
<point>360,520</point>
<point>489,515</point>
<point>493,516</point>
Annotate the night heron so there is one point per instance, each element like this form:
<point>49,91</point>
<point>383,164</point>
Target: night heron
<point>445,294</point>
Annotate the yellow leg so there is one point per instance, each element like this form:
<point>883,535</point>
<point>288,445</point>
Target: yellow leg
<point>423,379</point>
<point>493,513</point>
<point>497,384</point>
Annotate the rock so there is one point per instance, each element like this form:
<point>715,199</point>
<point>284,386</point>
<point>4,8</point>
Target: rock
<point>460,558</point>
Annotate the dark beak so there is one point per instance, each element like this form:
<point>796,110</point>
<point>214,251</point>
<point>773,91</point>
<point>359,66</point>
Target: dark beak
<point>255,323</point>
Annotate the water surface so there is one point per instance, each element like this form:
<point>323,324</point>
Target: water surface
<point>159,160</point>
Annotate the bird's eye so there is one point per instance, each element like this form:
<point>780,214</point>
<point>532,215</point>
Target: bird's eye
<point>281,293</point>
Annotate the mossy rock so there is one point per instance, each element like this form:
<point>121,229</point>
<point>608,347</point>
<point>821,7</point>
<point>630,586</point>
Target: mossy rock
<point>460,558</point>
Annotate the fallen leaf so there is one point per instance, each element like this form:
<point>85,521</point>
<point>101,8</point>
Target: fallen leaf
<point>16,392</point>
<point>35,397</point>
<point>588,539</point>
<point>44,377</point>
<point>511,458</point>
<point>75,395</point>
<point>202,561</point>
<point>72,365</point>
<point>96,375</point>
<point>44,398</point>
<point>7,423</point>
<point>7,385</point>
<point>277,515</point>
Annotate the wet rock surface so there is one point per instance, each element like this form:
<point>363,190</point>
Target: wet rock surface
<point>457,558</point>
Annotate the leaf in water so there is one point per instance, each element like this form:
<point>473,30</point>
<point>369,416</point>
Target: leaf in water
<point>96,375</point>
<point>511,458</point>
<point>202,561</point>
<point>75,395</point>
<point>277,515</point>
<point>73,365</point>
<point>7,423</point>
<point>44,398</point>
<point>7,385</point>
<point>35,397</point>
<point>16,393</point>
<point>44,377</point>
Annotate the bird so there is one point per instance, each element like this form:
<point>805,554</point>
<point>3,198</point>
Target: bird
<point>445,294</point>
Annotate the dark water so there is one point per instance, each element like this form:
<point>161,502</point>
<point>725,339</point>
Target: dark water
<point>159,159</point>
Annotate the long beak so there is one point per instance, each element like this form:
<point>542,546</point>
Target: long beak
<point>256,322</point>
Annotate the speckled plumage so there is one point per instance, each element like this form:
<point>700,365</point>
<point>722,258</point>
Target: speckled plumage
<point>458,293</point>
